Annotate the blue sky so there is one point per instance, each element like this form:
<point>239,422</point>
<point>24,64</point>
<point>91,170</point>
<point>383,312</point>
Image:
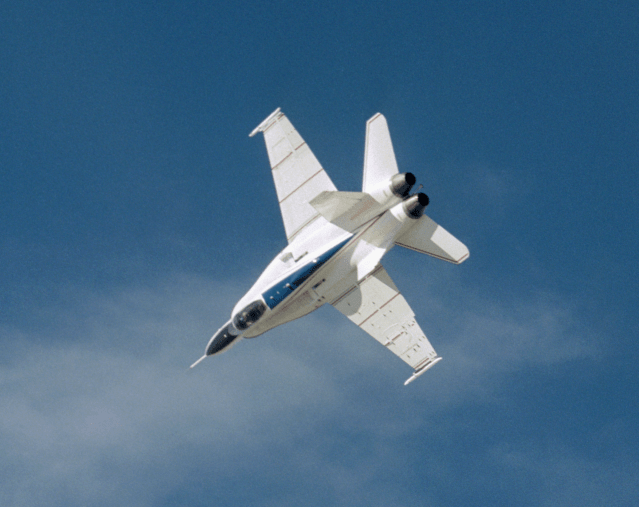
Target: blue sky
<point>135,212</point>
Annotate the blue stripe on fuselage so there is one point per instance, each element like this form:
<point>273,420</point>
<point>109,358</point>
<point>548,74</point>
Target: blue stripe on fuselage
<point>281,290</point>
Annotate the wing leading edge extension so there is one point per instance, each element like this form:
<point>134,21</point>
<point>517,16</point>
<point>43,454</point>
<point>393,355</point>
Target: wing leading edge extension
<point>377,306</point>
<point>298,175</point>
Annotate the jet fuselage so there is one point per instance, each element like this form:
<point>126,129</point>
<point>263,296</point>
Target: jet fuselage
<point>336,241</point>
<point>313,270</point>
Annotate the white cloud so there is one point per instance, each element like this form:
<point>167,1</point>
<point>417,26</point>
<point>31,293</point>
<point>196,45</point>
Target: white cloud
<point>99,406</point>
<point>108,383</point>
<point>543,330</point>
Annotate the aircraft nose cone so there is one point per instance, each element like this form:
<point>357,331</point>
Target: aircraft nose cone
<point>222,340</point>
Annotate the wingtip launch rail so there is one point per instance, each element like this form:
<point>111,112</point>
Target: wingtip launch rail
<point>422,370</point>
<point>266,123</point>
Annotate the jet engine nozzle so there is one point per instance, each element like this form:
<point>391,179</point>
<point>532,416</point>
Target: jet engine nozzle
<point>414,206</point>
<point>401,184</point>
<point>398,185</point>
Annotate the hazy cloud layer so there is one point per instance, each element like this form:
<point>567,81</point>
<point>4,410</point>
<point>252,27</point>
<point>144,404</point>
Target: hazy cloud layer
<point>98,406</point>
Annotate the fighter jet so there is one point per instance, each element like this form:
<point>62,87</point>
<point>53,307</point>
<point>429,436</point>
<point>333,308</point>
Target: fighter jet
<point>336,241</point>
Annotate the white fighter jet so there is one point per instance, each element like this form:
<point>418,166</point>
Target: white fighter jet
<point>336,241</point>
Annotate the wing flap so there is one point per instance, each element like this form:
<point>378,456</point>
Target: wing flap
<point>297,174</point>
<point>377,306</point>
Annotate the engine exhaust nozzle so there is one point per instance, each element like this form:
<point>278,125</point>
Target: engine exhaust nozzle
<point>401,184</point>
<point>414,206</point>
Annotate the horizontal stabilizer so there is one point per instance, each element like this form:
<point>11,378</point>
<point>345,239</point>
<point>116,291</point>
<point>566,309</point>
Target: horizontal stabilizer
<point>334,204</point>
<point>347,210</point>
<point>432,239</point>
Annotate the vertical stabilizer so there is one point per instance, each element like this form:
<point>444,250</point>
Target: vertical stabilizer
<point>379,157</point>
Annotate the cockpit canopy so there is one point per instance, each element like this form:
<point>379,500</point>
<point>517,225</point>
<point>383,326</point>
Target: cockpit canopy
<point>249,315</point>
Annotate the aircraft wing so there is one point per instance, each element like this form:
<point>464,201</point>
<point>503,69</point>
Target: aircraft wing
<point>298,175</point>
<point>377,306</point>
